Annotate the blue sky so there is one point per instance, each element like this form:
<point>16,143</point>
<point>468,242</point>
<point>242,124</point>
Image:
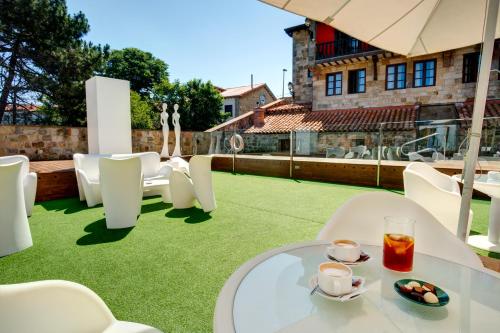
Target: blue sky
<point>219,40</point>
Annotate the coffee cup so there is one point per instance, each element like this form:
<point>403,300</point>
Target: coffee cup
<point>335,278</point>
<point>345,250</point>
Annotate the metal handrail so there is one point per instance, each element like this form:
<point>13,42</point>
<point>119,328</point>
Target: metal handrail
<point>416,140</point>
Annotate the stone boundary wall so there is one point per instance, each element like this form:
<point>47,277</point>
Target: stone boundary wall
<point>44,143</point>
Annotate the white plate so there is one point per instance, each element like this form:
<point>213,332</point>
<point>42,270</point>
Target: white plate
<point>355,292</point>
<point>348,263</point>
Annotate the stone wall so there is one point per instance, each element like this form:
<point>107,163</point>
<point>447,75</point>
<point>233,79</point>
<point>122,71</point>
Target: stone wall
<point>59,143</point>
<point>448,89</point>
<point>315,144</point>
<point>303,58</point>
<point>264,143</point>
<point>249,101</point>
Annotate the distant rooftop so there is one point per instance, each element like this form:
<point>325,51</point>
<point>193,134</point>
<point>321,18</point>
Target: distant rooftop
<point>243,90</point>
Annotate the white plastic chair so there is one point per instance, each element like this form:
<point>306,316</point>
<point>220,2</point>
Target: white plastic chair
<point>362,219</point>
<point>436,192</point>
<point>185,188</point>
<point>181,190</point>
<point>200,167</point>
<point>179,163</point>
<point>29,179</point>
<point>121,187</point>
<point>59,307</point>
<point>337,152</point>
<point>15,233</point>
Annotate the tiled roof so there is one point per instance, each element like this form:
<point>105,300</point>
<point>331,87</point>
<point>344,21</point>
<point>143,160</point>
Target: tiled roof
<point>492,110</point>
<point>240,91</point>
<point>297,117</point>
<point>230,122</point>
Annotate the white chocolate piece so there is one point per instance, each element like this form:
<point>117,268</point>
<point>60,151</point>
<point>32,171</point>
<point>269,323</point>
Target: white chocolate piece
<point>430,298</point>
<point>413,284</point>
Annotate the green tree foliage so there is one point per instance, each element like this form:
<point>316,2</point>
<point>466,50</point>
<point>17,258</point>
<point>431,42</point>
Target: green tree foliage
<point>200,103</point>
<point>142,113</point>
<point>204,105</point>
<point>34,36</point>
<point>141,68</point>
<point>64,91</point>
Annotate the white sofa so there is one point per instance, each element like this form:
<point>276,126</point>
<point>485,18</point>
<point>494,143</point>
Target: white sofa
<point>56,306</point>
<point>87,174</point>
<point>29,179</point>
<point>436,192</point>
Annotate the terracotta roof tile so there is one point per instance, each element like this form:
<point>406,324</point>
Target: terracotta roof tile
<point>299,117</point>
<point>492,110</point>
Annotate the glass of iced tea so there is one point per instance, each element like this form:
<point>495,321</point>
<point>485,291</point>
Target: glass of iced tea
<point>399,243</point>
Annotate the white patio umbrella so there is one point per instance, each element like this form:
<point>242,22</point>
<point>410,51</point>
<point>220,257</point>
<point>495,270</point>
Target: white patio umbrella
<point>417,27</point>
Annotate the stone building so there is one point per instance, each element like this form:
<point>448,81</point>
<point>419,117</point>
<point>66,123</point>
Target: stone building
<point>332,70</point>
<point>239,100</point>
<point>346,93</point>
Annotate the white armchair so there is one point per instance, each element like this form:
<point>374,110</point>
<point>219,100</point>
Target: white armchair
<point>362,219</point>
<point>121,183</point>
<point>59,307</point>
<point>436,192</point>
<point>29,179</point>
<point>185,188</point>
<point>15,233</point>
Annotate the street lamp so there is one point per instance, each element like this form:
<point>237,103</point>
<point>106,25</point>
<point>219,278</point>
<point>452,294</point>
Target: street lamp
<point>283,90</point>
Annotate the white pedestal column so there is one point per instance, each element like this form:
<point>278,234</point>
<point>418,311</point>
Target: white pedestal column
<point>108,116</point>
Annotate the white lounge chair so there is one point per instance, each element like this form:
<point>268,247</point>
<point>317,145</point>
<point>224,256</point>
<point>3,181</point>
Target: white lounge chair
<point>29,179</point>
<point>59,307</point>
<point>87,175</point>
<point>362,219</point>
<point>15,233</point>
<point>357,152</point>
<point>184,188</point>
<point>436,192</point>
<point>121,183</point>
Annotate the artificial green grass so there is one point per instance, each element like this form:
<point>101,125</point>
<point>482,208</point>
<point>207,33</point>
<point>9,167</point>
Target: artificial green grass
<point>168,270</point>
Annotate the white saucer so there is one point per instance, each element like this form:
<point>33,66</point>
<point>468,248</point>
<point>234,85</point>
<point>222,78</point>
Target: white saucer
<point>364,258</point>
<point>355,292</point>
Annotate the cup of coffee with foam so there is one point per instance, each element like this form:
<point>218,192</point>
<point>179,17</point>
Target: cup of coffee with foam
<point>335,278</point>
<point>344,250</point>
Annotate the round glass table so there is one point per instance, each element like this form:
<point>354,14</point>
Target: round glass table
<point>271,293</point>
<point>491,242</point>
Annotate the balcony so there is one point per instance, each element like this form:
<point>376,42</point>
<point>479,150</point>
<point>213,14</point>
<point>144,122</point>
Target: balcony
<point>343,48</point>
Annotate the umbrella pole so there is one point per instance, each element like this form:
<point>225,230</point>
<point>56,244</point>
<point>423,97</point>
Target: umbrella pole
<point>477,116</point>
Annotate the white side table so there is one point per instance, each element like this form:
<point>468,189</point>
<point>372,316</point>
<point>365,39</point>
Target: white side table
<point>160,185</point>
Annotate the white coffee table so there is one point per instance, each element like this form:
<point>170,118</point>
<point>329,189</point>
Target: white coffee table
<point>160,186</point>
<point>271,293</point>
<point>491,242</point>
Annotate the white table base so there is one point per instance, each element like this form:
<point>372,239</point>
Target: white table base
<point>492,241</point>
<point>482,242</point>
